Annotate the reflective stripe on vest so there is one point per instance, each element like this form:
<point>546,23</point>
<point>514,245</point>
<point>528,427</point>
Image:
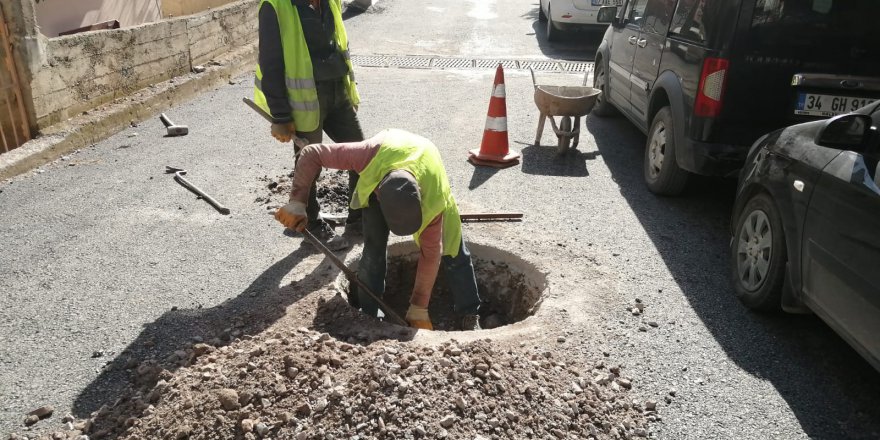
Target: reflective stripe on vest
<point>299,77</point>
<point>401,150</point>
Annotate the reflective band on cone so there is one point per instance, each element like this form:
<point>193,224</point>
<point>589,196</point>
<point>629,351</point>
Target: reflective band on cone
<point>496,124</point>
<point>494,150</point>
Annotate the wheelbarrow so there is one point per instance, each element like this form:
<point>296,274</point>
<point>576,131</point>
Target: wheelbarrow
<point>567,102</point>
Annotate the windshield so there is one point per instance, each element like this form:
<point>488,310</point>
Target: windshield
<point>832,35</point>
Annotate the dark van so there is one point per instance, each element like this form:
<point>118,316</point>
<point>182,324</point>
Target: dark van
<point>705,78</point>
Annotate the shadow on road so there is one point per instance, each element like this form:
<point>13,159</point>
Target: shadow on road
<point>482,175</point>
<point>546,161</point>
<point>261,304</point>
<point>831,390</point>
<point>574,44</point>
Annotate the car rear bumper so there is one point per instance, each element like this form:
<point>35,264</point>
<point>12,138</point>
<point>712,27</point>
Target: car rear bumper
<point>710,159</point>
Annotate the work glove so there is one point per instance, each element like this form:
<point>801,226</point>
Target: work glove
<point>293,215</point>
<point>283,132</point>
<point>417,317</point>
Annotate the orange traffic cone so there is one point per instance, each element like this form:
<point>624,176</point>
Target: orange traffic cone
<point>494,150</point>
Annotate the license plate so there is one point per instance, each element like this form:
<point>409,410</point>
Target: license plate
<point>612,2</point>
<point>828,105</point>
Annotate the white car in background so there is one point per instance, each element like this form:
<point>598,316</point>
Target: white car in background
<point>565,14</point>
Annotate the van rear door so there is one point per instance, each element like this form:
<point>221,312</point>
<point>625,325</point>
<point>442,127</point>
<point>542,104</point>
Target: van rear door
<point>831,44</point>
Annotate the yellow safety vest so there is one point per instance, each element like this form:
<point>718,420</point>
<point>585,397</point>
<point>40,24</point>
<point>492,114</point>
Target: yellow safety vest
<point>299,76</point>
<point>401,150</point>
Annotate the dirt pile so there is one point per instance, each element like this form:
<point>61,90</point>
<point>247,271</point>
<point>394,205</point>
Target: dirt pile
<point>332,191</point>
<point>308,385</point>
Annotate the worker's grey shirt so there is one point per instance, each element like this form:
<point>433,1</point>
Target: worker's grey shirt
<point>319,31</point>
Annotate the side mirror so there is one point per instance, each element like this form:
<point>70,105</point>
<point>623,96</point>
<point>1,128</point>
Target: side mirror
<point>849,131</point>
<point>606,14</point>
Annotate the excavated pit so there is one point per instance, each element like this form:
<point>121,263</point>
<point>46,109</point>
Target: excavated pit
<point>511,289</point>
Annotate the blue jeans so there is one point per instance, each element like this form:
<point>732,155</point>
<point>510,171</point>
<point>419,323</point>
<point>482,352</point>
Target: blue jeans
<point>458,270</point>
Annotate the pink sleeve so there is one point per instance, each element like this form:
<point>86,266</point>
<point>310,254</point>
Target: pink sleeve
<point>431,251</point>
<point>347,156</point>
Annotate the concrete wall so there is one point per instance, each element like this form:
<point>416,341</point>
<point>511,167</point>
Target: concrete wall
<point>20,17</point>
<point>55,16</point>
<point>76,73</point>
<point>176,8</point>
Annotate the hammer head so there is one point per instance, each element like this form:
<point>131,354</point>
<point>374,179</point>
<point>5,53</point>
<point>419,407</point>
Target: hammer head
<point>177,130</point>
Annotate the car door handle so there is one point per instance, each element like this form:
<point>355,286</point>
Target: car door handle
<point>643,42</point>
<point>632,40</point>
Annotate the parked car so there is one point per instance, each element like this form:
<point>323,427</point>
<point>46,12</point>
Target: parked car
<point>705,78</point>
<point>567,14</point>
<point>806,225</point>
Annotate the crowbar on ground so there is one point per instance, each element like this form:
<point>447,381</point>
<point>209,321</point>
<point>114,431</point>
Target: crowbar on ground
<point>178,177</point>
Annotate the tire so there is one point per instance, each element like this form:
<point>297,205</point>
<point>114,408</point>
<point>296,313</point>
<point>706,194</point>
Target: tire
<point>602,108</point>
<point>541,15</point>
<point>759,255</point>
<point>552,32</point>
<point>564,141</point>
<point>662,173</point>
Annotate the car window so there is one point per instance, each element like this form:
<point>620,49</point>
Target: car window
<point>657,15</point>
<point>636,12</point>
<point>688,21</point>
<point>831,35</point>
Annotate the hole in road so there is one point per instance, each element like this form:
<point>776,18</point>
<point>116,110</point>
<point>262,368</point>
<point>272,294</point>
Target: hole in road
<point>510,287</point>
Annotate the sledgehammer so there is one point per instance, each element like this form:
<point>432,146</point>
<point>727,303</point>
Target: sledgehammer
<point>173,129</point>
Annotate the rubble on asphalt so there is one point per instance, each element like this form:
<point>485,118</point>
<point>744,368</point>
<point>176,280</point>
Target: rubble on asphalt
<point>308,385</point>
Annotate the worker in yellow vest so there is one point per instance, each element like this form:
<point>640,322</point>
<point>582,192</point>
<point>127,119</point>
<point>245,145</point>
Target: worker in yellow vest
<point>403,189</point>
<point>305,81</point>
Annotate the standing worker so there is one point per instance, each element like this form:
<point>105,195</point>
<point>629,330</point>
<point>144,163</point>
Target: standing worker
<point>306,83</point>
<point>402,189</point>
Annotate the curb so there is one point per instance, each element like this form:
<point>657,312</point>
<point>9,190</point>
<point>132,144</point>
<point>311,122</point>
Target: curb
<point>106,120</point>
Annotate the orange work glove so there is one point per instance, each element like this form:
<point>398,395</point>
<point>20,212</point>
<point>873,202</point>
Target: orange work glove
<point>417,317</point>
<point>293,215</point>
<point>283,132</point>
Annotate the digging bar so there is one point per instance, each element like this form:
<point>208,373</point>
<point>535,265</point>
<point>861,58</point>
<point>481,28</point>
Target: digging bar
<point>492,217</point>
<point>299,142</point>
<point>353,277</point>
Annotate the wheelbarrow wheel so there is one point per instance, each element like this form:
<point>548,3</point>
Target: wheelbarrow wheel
<point>564,139</point>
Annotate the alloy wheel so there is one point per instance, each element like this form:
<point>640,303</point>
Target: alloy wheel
<point>754,250</point>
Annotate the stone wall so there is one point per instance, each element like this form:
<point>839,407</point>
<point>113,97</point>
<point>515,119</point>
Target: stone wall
<point>76,73</point>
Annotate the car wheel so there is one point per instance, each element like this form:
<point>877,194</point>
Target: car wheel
<point>541,15</point>
<point>759,255</point>
<point>552,32</point>
<point>600,81</point>
<point>662,173</point>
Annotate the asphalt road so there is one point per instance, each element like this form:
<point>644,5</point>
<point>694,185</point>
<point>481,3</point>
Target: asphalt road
<point>103,252</point>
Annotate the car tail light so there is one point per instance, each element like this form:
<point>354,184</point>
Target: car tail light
<point>711,89</point>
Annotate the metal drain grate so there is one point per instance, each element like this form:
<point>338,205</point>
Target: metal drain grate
<point>577,67</point>
<point>426,62</point>
<point>540,65</point>
<point>491,64</point>
<point>453,63</point>
<point>411,62</point>
<point>369,61</point>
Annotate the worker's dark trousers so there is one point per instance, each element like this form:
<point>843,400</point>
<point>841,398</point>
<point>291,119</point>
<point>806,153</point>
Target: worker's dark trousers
<point>340,122</point>
<point>458,270</point>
